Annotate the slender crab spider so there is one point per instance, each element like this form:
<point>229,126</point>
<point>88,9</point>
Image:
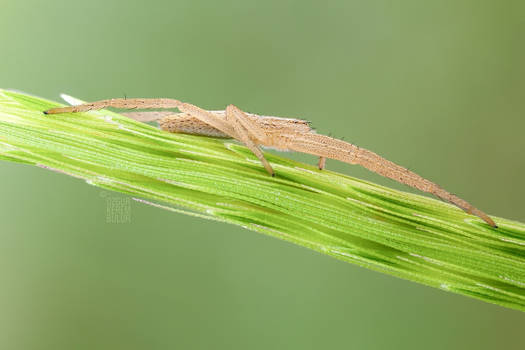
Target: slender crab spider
<point>279,133</point>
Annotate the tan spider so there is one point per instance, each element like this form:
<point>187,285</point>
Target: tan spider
<point>279,133</point>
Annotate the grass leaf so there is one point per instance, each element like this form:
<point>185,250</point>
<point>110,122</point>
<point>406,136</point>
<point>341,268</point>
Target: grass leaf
<point>401,234</point>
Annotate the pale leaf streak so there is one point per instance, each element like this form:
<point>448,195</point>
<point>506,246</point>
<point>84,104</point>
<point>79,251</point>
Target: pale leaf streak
<point>511,241</point>
<point>316,173</point>
<point>182,184</point>
<point>181,211</point>
<point>8,147</point>
<point>522,284</point>
<point>313,189</point>
<point>486,286</point>
<point>430,260</point>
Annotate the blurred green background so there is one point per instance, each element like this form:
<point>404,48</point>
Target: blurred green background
<point>437,86</point>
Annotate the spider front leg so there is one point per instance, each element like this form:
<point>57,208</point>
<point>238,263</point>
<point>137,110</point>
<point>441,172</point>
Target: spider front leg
<point>246,131</point>
<point>124,103</point>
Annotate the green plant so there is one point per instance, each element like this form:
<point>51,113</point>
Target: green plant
<point>405,235</point>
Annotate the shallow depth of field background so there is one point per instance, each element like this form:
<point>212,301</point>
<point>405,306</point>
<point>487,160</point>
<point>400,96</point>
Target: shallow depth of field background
<point>437,86</point>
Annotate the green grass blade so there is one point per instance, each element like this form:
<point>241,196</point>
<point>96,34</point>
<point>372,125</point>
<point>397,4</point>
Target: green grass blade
<point>405,235</point>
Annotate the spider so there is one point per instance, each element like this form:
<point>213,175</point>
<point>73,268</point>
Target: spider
<point>279,133</point>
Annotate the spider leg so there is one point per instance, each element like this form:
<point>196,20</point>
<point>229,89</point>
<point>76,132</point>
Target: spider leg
<point>246,130</point>
<point>209,118</point>
<point>148,116</point>
<point>254,129</point>
<point>124,103</point>
<point>322,163</point>
<point>324,146</point>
